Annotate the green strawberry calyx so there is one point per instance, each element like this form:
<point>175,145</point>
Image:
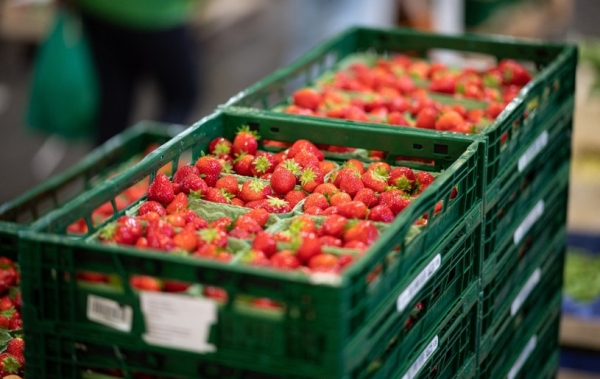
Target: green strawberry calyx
<point>246,129</point>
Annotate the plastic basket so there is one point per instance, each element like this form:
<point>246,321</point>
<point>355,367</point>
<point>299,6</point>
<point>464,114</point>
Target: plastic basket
<point>328,322</point>
<point>447,351</point>
<point>122,150</point>
<point>538,101</point>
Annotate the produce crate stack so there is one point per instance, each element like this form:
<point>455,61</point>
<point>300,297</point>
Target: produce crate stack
<point>528,148</point>
<point>407,305</point>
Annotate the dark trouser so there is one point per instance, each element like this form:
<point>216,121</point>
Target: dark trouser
<point>122,55</point>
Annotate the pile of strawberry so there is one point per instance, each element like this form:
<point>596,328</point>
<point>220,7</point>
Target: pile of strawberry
<point>397,91</point>
<point>12,361</point>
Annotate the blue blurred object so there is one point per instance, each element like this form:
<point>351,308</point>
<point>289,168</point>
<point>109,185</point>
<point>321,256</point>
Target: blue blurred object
<point>585,310</point>
<point>580,360</point>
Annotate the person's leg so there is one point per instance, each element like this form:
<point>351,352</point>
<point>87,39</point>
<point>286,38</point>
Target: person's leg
<point>116,76</point>
<point>169,56</point>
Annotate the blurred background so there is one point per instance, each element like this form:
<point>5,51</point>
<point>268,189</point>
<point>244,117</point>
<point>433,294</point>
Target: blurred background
<point>240,41</point>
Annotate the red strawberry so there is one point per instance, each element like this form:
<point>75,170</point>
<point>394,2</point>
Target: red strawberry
<point>262,165</point>
<point>15,348</point>
<point>426,118</point>
<point>402,178</point>
<point>367,196</point>
<point>294,197</point>
<point>381,213</point>
<point>160,227</point>
<point>261,216</point>
<point>16,322</point>
<point>377,180</point>
<point>285,260</point>
<point>317,200</point>
<point>356,165</point>
<point>345,172</point>
<point>254,190</point>
<point>256,204</point>
<point>5,303</point>
<point>314,210</point>
<point>353,209</point>
<point>334,226</point>
<point>17,301</point>
<point>194,185</point>
<point>9,365</point>
<point>494,109</point>
<point>212,236</point>
<point>221,223</point>
<point>248,224</point>
<point>306,159</point>
<point>303,144</point>
<point>423,179</point>
<point>331,210</point>
<point>310,178</point>
<point>220,145</point>
<point>256,258</point>
<point>513,72</point>
<point>216,196</point>
<point>275,205</point>
<point>186,240</point>
<point>175,286</point>
<point>326,167</point>
<point>245,141</point>
<point>362,231</point>
<point>283,181</point>
<point>450,120</point>
<point>330,241</point>
<point>302,224</point>
<point>228,183</point>
<point>327,189</point>
<point>5,318</point>
<point>125,231</point>
<point>161,190</point>
<point>395,200</point>
<point>308,248</point>
<point>178,204</point>
<point>265,242</point>
<point>242,164</point>
<point>382,167</point>
<point>210,168</point>
<point>145,283</point>
<point>307,98</point>
<point>323,263</point>
<point>184,172</point>
<point>351,184</point>
<point>339,198</point>
<point>237,202</point>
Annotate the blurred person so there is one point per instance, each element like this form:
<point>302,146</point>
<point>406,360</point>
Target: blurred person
<point>133,38</point>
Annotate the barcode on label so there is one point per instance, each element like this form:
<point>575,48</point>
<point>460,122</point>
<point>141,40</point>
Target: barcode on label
<point>415,286</point>
<point>418,364</point>
<point>529,348</point>
<point>533,280</point>
<point>538,145</point>
<point>109,312</point>
<point>532,217</point>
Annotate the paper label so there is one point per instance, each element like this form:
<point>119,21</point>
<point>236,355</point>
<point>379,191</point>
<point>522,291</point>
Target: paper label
<point>533,150</point>
<point>422,359</point>
<point>533,280</point>
<point>110,313</point>
<point>532,217</point>
<point>529,348</point>
<point>178,321</point>
<point>415,286</point>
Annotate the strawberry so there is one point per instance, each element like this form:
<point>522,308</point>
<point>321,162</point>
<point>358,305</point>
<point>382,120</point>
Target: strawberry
<point>254,190</point>
<point>256,204</point>
<point>382,167</point>
<point>176,187</point>
<point>327,189</point>
<point>145,283</point>
<point>326,167</point>
<point>294,197</point>
<point>303,144</point>
<point>221,223</point>
<point>345,172</point>
<point>426,118</point>
<point>310,178</point>
<point>351,184</point>
<point>291,165</point>
<point>307,98</point>
<point>216,196</point>
<point>302,224</point>
<point>160,242</point>
<point>186,240</point>
<point>220,145</point>
<point>237,202</point>
<point>353,209</point>
<point>282,181</point>
<point>493,110</point>
<point>5,318</point>
<point>17,300</point>
<point>331,210</point>
<point>330,241</point>
<point>334,226</point>
<point>423,180</point>
<point>261,165</point>
<point>174,286</point>
<point>212,236</point>
<point>161,190</point>
<point>210,168</point>
<point>265,242</point>
<point>285,260</point>
<point>402,178</point>
<point>314,210</point>
<point>309,247</point>
<point>261,216</point>
<point>397,118</point>
<point>513,72</point>
<point>362,231</point>
<point>248,224</point>
<point>194,185</point>
<point>92,277</point>
<point>245,141</point>
<point>125,231</point>
<point>323,263</point>
<point>15,347</point>
<point>178,204</point>
<point>367,196</point>
<point>9,365</point>
<point>317,200</point>
<point>240,233</point>
<point>453,193</point>
<point>184,172</point>
<point>394,199</point>
<point>306,159</point>
<point>275,205</point>
<point>339,198</point>
<point>160,227</point>
<point>228,183</point>
<point>381,213</point>
<point>5,303</point>
<point>356,245</point>
<point>242,164</point>
<point>450,120</point>
<point>438,207</point>
<point>377,179</point>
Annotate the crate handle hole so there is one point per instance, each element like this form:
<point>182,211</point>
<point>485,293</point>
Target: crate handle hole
<point>417,146</point>
<point>254,126</point>
<point>440,149</point>
<point>275,130</point>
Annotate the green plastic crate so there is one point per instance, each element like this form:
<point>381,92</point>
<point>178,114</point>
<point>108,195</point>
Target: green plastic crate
<point>530,299</point>
<point>521,358</point>
<point>521,208</point>
<point>22,212</point>
<point>515,127</point>
<point>328,322</point>
<point>551,367</point>
<point>478,11</point>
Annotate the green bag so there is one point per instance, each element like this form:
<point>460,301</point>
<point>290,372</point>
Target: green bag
<point>64,91</point>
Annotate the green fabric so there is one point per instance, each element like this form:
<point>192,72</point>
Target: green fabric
<point>142,14</point>
<point>64,91</point>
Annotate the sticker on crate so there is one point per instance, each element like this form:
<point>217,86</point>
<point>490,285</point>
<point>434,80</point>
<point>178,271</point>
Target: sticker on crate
<point>536,147</point>
<point>178,321</point>
<point>533,280</point>
<point>532,217</point>
<point>110,313</point>
<point>419,282</point>
<point>529,348</point>
<point>422,359</point>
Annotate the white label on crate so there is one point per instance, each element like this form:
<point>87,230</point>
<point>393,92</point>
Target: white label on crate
<point>532,217</point>
<point>178,321</point>
<point>533,150</point>
<point>415,286</point>
<point>414,369</point>
<point>533,280</point>
<point>529,348</point>
<point>110,313</point>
